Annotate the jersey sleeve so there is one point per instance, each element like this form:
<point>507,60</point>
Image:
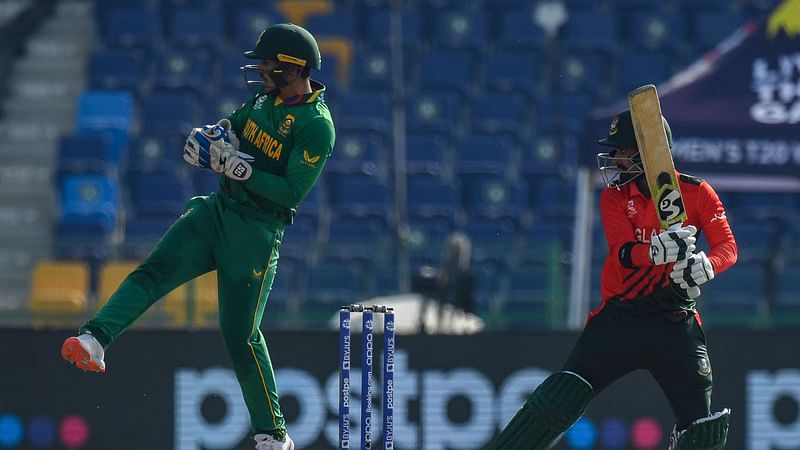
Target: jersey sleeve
<point>313,145</point>
<point>712,219</point>
<point>619,233</point>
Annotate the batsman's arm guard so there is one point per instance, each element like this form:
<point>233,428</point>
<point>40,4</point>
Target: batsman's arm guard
<point>708,433</point>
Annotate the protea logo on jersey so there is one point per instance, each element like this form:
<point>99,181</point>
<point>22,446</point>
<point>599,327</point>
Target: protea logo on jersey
<point>262,140</point>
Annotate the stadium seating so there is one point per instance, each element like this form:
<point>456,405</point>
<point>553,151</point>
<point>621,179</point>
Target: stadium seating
<point>60,290</point>
<point>493,105</point>
<point>85,155</point>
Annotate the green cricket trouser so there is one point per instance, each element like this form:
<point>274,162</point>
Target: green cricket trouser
<point>618,341</point>
<point>244,250</point>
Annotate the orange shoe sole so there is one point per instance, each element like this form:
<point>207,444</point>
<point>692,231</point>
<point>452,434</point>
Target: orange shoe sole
<point>73,352</point>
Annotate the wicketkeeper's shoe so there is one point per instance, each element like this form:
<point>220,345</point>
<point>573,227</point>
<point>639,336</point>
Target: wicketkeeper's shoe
<point>267,442</point>
<point>85,352</point>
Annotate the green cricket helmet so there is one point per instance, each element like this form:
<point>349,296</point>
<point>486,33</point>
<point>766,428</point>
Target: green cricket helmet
<point>287,44</point>
<point>622,136</point>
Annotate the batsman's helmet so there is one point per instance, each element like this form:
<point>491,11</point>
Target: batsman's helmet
<point>621,134</point>
<point>288,43</point>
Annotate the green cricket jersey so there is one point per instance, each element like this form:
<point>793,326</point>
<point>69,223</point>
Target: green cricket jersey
<point>290,140</point>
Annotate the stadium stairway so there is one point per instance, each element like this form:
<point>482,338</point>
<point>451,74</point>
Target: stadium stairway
<point>43,86</point>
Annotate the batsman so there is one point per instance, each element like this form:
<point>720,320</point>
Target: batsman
<point>647,319</point>
<point>269,153</point>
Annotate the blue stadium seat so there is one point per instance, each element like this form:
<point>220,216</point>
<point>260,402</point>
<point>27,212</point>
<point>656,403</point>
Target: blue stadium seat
<point>756,240</point>
<point>433,112</point>
<point>329,285</point>
<point>493,196</point>
<point>486,154</point>
<point>574,110</point>
<point>426,153</point>
<point>365,110</point>
<point>142,233</point>
<point>314,204</point>
<point>131,26</point>
<point>360,196</point>
<point>247,24</point>
<point>379,21</point>
<point>447,70</point>
<point>787,295</point>
<point>487,281</point>
<point>372,68</point>
<point>155,153</point>
<point>583,72</point>
<point>284,287</point>
<point>734,296</point>
<point>494,239</point>
<point>358,239</point>
<point>547,238</point>
<point>329,76</point>
<point>711,27</point>
<point>551,195</point>
<point>542,155</point>
<point>121,69</point>
<point>640,67</point>
<point>109,113</point>
<point>159,195</point>
<point>762,205</point>
<point>498,113</point>
<point>224,102</point>
<point>89,203</point>
<point>231,75</point>
<point>383,280</point>
<point>526,301</point>
<point>656,30</point>
<point>519,30</point>
<point>425,239</point>
<point>165,111</point>
<point>430,197</point>
<point>359,152</point>
<point>342,22</point>
<point>82,154</point>
<point>513,71</point>
<point>603,24</point>
<point>184,69</point>
<point>196,27</point>
<point>459,28</point>
<point>300,241</point>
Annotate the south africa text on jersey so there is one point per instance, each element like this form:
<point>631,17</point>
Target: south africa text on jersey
<point>261,139</point>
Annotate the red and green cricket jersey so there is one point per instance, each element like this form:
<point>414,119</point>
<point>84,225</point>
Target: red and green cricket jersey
<point>629,221</point>
<point>290,140</point>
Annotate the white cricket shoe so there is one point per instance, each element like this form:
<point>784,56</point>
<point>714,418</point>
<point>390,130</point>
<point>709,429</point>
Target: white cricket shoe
<point>85,352</point>
<point>267,442</point>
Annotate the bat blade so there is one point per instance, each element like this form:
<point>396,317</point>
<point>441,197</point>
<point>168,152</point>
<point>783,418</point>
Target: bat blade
<point>656,157</point>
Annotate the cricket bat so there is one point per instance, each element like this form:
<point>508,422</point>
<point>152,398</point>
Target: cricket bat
<point>656,157</point>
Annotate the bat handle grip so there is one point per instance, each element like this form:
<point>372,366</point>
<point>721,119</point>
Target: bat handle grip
<point>675,226</point>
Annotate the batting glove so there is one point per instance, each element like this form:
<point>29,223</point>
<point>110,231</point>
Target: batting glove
<point>672,245</point>
<point>692,272</point>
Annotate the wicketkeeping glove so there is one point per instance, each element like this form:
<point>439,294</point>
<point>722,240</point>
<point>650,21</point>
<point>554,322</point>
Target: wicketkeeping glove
<point>215,147</point>
<point>672,245</point>
<point>692,272</point>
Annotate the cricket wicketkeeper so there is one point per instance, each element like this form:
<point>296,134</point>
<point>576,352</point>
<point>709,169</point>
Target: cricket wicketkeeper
<point>269,153</point>
<point>648,318</point>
